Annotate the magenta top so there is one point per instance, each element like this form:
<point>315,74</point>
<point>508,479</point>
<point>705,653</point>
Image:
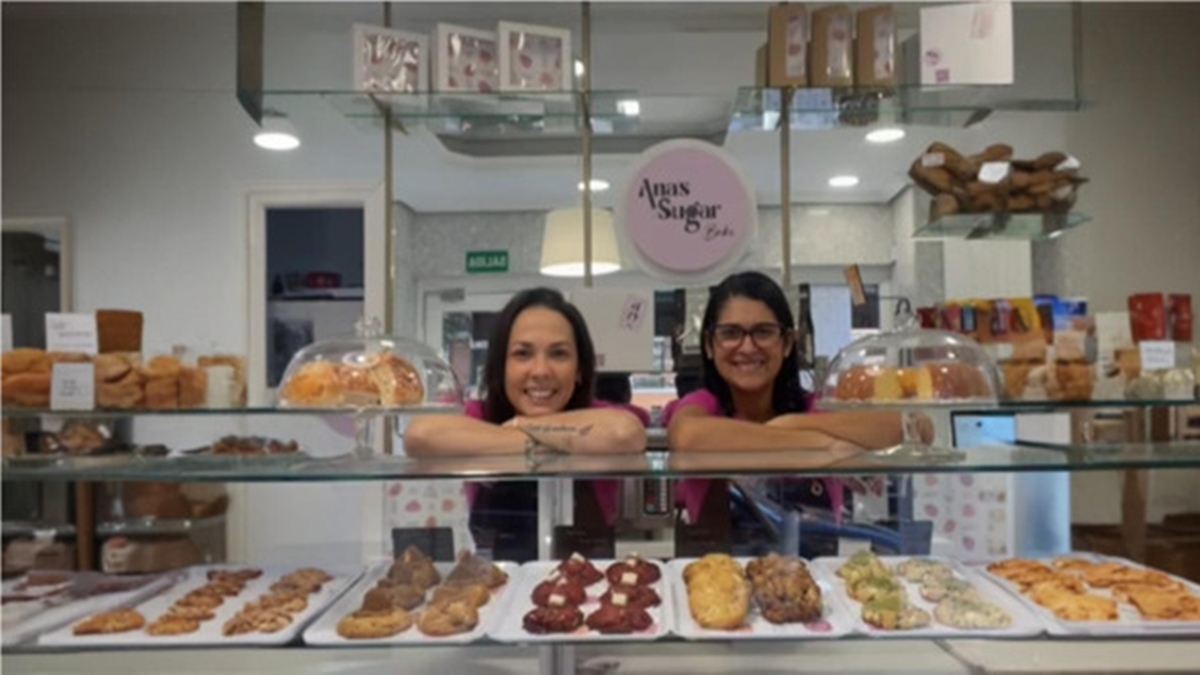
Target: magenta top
<point>606,491</point>
<point>691,492</point>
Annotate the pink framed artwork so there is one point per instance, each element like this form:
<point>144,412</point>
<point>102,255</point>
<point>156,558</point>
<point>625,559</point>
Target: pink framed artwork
<point>390,60</point>
<point>465,60</point>
<point>534,58</point>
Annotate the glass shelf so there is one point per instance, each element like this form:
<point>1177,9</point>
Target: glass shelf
<point>34,413</point>
<point>1003,459</point>
<point>23,528</point>
<point>812,109</point>
<point>1012,226</point>
<point>475,114</point>
<point>136,526</point>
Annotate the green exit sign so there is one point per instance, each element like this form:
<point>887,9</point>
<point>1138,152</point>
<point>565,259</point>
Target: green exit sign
<point>487,262</point>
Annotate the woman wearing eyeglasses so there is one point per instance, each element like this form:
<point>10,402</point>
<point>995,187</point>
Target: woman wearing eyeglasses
<point>751,397</point>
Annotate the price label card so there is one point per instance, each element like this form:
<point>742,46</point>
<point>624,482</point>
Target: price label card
<point>6,340</point>
<point>72,333</point>
<point>73,386</point>
<point>1157,354</point>
<point>993,172</point>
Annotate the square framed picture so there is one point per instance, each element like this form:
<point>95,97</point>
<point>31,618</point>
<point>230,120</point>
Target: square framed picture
<point>534,58</point>
<point>465,60</point>
<point>390,60</point>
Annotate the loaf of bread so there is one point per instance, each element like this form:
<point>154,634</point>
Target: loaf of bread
<point>193,385</point>
<point>162,393</point>
<point>24,360</point>
<point>30,390</point>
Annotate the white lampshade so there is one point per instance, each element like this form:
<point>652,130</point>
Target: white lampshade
<point>562,243</point>
<point>277,133</point>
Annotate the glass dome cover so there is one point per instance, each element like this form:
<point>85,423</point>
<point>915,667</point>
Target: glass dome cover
<point>368,370</point>
<point>911,367</point>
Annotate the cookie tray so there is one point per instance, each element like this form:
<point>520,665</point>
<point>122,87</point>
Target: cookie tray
<point>1129,621</point>
<point>209,634</point>
<point>25,620</point>
<point>324,633</point>
<point>510,629</point>
<point>1024,623</point>
<point>834,621</point>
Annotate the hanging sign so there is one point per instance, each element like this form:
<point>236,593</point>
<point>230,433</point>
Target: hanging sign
<point>686,211</point>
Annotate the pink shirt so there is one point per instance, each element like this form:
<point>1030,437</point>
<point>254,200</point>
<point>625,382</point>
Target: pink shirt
<point>691,492</point>
<point>606,491</point>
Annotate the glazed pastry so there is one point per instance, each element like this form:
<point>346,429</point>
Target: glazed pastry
<point>719,600</point>
<point>542,620</point>
<point>619,619</point>
<point>119,621</point>
<point>419,573</point>
<point>712,562</point>
<point>785,591</point>
<point>366,625</point>
<point>633,571</point>
<point>936,589</point>
<point>917,569</point>
<point>193,613</point>
<point>893,613</point>
<point>580,569</point>
<point>472,569</point>
<point>172,624</point>
<point>862,564</point>
<point>315,384</point>
<point>292,604</point>
<point>383,598</point>
<point>971,613</point>
<point>449,618</point>
<point>866,589</point>
<point>637,596</point>
<point>571,593</point>
<point>477,595</point>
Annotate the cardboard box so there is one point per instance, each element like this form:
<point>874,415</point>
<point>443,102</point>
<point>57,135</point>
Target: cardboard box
<point>762,67</point>
<point>875,47</point>
<point>831,54</point>
<point>968,43</point>
<point>788,46</point>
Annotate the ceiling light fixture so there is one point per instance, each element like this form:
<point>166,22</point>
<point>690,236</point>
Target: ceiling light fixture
<point>843,181</point>
<point>885,135</point>
<point>562,243</point>
<point>277,132</point>
<point>578,68</point>
<point>598,185</point>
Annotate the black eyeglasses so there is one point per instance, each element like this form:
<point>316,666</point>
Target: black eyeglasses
<point>730,335</point>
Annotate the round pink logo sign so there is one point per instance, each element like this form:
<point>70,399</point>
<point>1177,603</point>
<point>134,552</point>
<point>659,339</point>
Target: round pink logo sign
<point>687,210</point>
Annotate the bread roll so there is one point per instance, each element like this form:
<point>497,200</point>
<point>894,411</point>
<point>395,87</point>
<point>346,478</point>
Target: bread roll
<point>162,367</point>
<point>31,390</point>
<point>948,381</point>
<point>399,383</point>
<point>24,360</point>
<point>315,384</point>
<point>112,367</point>
<point>118,396</point>
<point>162,393</point>
<point>193,387</point>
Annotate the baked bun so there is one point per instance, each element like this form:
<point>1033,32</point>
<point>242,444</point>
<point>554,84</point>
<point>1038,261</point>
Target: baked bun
<point>376,380</point>
<point>24,360</point>
<point>31,390</point>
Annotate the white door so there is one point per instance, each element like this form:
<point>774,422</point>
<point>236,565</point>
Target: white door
<point>459,329</point>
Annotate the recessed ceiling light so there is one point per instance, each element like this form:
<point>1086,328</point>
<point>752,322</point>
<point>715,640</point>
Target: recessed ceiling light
<point>277,133</point>
<point>843,181</point>
<point>629,107</point>
<point>578,68</point>
<point>598,185</point>
<point>885,135</point>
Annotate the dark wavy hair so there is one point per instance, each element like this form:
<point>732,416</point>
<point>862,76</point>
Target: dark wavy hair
<point>497,409</point>
<point>786,395</point>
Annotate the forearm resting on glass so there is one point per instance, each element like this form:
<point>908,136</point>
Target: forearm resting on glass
<point>718,434</point>
<point>873,430</point>
<point>586,431</point>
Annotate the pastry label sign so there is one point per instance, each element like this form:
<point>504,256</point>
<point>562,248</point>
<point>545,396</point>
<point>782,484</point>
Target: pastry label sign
<point>6,338</point>
<point>687,210</point>
<point>72,386</point>
<point>1157,354</point>
<point>72,333</point>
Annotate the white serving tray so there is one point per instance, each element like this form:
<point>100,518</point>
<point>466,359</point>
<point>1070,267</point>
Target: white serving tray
<point>1128,622</point>
<point>509,627</point>
<point>324,631</point>
<point>835,622</point>
<point>26,620</point>
<point>1024,623</point>
<point>209,634</point>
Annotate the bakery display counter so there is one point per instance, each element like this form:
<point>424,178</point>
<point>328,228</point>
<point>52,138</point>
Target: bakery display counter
<point>301,468</point>
<point>155,526</point>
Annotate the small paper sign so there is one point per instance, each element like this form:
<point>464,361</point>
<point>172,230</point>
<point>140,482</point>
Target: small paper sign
<point>6,341</point>
<point>73,386</point>
<point>72,333</point>
<point>932,159</point>
<point>993,172</point>
<point>1157,354</point>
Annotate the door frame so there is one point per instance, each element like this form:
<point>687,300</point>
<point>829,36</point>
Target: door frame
<point>369,197</point>
<point>61,226</point>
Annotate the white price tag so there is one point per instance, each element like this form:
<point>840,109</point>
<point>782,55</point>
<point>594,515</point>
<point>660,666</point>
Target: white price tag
<point>993,172</point>
<point>1068,164</point>
<point>73,386</point>
<point>6,344</point>
<point>1157,354</point>
<point>1000,351</point>
<point>72,333</point>
<point>932,159</point>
